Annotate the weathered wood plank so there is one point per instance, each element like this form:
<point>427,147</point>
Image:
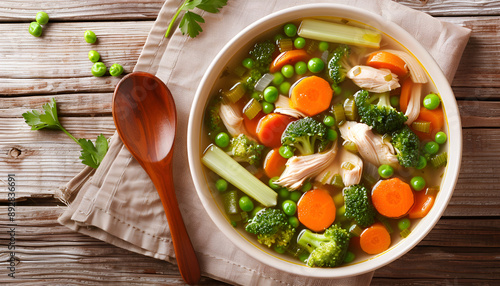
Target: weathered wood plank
<point>383,281</point>
<point>454,7</point>
<point>61,10</point>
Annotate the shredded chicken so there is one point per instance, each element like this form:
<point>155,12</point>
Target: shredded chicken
<point>372,79</point>
<point>283,106</point>
<point>371,146</point>
<point>299,168</point>
<point>413,109</point>
<point>349,177</point>
<point>233,120</point>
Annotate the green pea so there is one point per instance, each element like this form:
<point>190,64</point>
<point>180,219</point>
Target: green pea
<point>89,37</point>
<point>279,249</point>
<point>42,18</point>
<point>329,121</point>
<point>272,184</point>
<point>422,162</point>
<point>331,135</point>
<point>349,257</point>
<point>289,207</point>
<point>417,183</point>
<point>303,256</point>
<point>278,37</point>
<point>306,187</point>
<point>286,152</point>
<point>385,171</point>
<point>300,68</point>
<point>245,203</point>
<point>221,185</point>
<point>94,56</point>
<point>299,43</point>
<point>271,94</point>
<point>290,30</point>
<point>336,89</point>
<point>295,196</point>
<point>267,107</point>
<point>98,69</point>
<point>256,95</point>
<point>440,137</point>
<point>293,221</point>
<point>403,224</point>
<point>278,78</point>
<point>116,70</point>
<point>315,65</point>
<point>283,193</point>
<point>431,101</point>
<point>222,140</point>
<point>285,87</point>
<point>287,71</point>
<point>256,210</point>
<point>323,46</point>
<point>35,29</point>
<point>431,147</point>
<point>234,224</point>
<point>394,101</point>
<point>248,63</point>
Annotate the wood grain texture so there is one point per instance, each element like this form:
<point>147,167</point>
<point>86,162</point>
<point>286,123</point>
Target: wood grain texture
<point>454,7</point>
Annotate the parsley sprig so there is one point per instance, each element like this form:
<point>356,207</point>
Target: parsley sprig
<point>190,21</point>
<point>91,154</point>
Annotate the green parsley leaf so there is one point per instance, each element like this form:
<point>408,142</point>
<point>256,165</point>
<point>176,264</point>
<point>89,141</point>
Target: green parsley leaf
<point>49,119</point>
<point>189,24</point>
<point>212,6</point>
<point>93,155</point>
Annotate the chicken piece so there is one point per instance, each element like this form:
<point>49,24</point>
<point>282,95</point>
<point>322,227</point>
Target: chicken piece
<point>370,146</point>
<point>299,168</point>
<point>413,109</point>
<point>282,105</point>
<point>339,166</point>
<point>233,120</point>
<point>372,79</point>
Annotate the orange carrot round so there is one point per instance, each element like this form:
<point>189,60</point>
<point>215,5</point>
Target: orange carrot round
<point>311,95</point>
<point>251,125</point>
<point>435,117</point>
<point>288,58</point>
<point>271,127</point>
<point>316,210</point>
<point>392,197</point>
<point>422,206</point>
<point>274,163</point>
<point>404,98</point>
<point>375,239</point>
<point>386,60</point>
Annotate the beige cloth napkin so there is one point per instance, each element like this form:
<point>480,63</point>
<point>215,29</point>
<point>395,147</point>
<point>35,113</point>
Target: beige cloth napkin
<point>118,203</point>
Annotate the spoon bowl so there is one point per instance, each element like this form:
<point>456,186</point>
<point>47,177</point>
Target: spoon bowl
<point>145,118</point>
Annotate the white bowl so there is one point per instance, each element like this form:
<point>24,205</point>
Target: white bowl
<point>244,240</point>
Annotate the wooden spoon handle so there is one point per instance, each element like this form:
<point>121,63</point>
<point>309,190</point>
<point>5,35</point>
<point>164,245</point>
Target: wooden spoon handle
<point>184,252</point>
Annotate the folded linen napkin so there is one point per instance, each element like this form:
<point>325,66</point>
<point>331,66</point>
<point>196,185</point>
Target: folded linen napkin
<point>118,203</point>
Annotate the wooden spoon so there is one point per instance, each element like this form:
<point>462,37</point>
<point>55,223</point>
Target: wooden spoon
<point>145,118</point>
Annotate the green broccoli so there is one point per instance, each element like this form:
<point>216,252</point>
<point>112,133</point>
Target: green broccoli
<point>271,227</point>
<point>338,65</point>
<point>262,54</point>
<point>407,147</point>
<point>251,78</point>
<point>212,117</point>
<point>303,134</point>
<point>328,249</point>
<point>381,116</point>
<point>358,205</point>
<point>243,149</point>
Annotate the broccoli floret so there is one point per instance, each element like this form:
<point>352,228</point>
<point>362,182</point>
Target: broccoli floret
<point>262,54</point>
<point>407,147</point>
<point>271,227</point>
<point>251,79</point>
<point>358,205</point>
<point>328,249</point>
<point>212,117</point>
<point>381,116</point>
<point>303,134</point>
<point>243,149</point>
<point>339,65</point>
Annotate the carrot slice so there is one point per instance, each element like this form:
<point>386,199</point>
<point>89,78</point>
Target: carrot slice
<point>435,117</point>
<point>271,127</point>
<point>251,125</point>
<point>404,98</point>
<point>288,58</point>
<point>386,60</point>
<point>316,210</point>
<point>274,164</point>
<point>311,95</point>
<point>423,204</point>
<point>375,239</point>
<point>392,197</point>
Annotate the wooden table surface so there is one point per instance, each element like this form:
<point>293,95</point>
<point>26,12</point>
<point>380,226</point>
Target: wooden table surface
<point>463,248</point>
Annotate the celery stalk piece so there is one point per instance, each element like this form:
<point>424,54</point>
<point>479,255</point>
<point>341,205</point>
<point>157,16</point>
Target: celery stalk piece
<point>223,165</point>
<point>339,33</point>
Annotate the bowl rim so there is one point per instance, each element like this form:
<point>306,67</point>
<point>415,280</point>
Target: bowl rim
<point>389,28</point>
